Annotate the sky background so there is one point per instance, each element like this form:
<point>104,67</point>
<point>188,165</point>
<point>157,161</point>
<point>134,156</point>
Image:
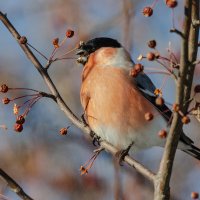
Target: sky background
<point>45,163</point>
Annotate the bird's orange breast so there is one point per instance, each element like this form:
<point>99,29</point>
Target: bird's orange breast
<point>110,99</point>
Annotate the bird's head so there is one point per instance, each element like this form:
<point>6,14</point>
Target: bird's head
<point>85,49</point>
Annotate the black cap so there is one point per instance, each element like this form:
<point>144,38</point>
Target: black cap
<point>96,43</point>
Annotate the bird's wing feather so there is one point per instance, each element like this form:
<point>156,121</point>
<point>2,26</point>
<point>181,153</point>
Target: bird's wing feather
<point>147,89</point>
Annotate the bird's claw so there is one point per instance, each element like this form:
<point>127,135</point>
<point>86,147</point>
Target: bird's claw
<point>121,154</point>
<point>96,138</point>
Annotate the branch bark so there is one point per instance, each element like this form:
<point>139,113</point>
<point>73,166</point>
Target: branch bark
<point>189,48</point>
<point>14,186</point>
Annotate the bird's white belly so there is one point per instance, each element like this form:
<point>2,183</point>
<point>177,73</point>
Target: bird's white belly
<point>142,139</point>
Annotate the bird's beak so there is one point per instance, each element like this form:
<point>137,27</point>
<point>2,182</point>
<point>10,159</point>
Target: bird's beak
<point>80,52</point>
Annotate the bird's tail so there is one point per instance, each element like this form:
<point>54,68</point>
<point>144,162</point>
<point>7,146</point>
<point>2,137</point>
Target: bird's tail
<point>193,151</point>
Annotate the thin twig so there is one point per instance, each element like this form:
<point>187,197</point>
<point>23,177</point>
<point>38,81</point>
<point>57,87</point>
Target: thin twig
<point>174,30</point>
<point>14,186</point>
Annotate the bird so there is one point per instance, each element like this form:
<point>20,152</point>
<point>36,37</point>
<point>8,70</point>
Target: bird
<point>115,103</point>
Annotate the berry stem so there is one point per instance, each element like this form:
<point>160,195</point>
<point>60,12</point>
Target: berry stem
<point>37,51</point>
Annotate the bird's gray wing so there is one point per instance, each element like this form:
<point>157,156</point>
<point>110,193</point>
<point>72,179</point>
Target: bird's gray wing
<point>147,88</point>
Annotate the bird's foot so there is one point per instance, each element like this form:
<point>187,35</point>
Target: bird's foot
<point>83,119</point>
<point>121,154</point>
<point>96,138</point>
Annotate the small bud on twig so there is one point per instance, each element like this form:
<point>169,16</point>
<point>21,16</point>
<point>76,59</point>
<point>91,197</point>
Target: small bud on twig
<point>23,40</point>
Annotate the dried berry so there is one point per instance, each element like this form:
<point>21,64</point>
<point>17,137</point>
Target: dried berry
<point>176,107</point>
<point>133,72</point>
<point>194,195</point>
<point>83,170</point>
<point>23,40</point>
<point>63,131</point>
<point>151,56</point>
<point>171,3</point>
<point>18,127</point>
<point>55,42</point>
<point>5,100</point>
<point>197,89</point>
<point>148,116</point>
<point>69,33</point>
<point>162,133</point>
<point>147,11</point>
<point>4,88</point>
<point>185,120</point>
<point>138,67</point>
<point>159,101</point>
<point>157,91</point>
<point>151,44</point>
<point>20,119</point>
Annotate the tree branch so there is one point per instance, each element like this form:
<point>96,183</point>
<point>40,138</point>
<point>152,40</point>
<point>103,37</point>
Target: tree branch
<point>188,55</point>
<point>14,186</point>
<point>63,106</point>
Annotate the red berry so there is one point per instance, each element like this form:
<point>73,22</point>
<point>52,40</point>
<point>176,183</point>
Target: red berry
<point>151,44</point>
<point>148,116</point>
<point>171,3</point>
<point>151,56</point>
<point>133,72</point>
<point>185,120</point>
<point>63,131</point>
<point>5,100</point>
<point>20,119</point>
<point>4,88</point>
<point>18,127</point>
<point>147,11</point>
<point>138,67</point>
<point>159,101</point>
<point>162,133</point>
<point>55,42</point>
<point>70,33</point>
<point>175,107</point>
<point>194,195</point>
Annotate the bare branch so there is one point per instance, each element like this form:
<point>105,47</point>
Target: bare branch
<point>174,30</point>
<point>184,82</point>
<point>63,106</point>
<point>14,186</point>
